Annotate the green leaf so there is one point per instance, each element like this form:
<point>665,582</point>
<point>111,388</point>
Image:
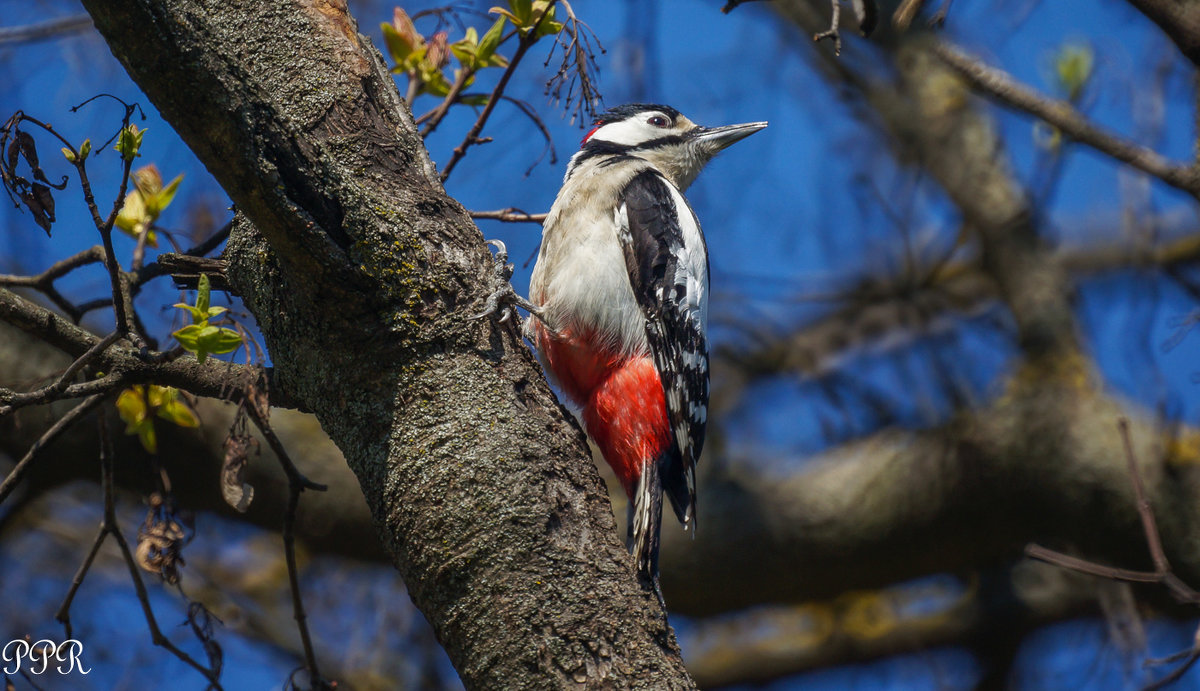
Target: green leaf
<point>223,341</point>
<point>547,26</point>
<point>85,148</point>
<point>148,436</point>
<point>397,46</point>
<point>176,412</point>
<point>522,9</point>
<point>202,293</point>
<point>1073,66</point>
<point>129,142</point>
<point>131,405</point>
<point>490,40</point>
<point>188,337</point>
<point>156,203</point>
<point>68,155</point>
<point>132,214</point>
<point>435,83</point>
<point>197,315</point>
<point>467,49</point>
<point>505,13</point>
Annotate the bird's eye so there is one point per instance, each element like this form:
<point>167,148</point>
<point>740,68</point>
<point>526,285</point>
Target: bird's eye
<point>659,121</point>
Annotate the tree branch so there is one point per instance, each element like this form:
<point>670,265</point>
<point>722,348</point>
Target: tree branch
<point>1069,121</point>
<point>52,28</point>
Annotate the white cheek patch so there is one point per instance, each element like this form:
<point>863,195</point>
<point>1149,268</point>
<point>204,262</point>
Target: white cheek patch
<point>626,132</point>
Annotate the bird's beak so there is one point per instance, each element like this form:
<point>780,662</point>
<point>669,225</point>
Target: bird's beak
<point>718,138</point>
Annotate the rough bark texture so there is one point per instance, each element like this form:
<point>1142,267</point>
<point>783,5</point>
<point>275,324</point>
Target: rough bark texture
<point>362,273</point>
<point>1179,19</point>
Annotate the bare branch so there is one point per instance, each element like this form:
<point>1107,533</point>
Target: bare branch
<point>57,389</point>
<point>524,43</point>
<point>1062,115</point>
<point>832,31</point>
<point>437,114</point>
<point>214,378</point>
<point>577,67</point>
<point>53,28</point>
<point>64,422</point>
<point>906,12</point>
<point>509,215</point>
<point>111,527</point>
<point>255,405</point>
<point>55,271</point>
<point>731,5</point>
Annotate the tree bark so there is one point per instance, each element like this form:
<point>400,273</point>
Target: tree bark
<point>1179,19</point>
<point>362,274</point>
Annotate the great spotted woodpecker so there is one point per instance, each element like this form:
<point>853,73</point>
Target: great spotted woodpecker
<point>621,292</point>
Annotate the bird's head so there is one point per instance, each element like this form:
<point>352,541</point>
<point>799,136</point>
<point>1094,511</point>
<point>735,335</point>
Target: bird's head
<point>661,135</point>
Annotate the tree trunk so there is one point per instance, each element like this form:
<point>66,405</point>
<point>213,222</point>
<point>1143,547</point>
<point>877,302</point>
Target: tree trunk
<point>362,274</point>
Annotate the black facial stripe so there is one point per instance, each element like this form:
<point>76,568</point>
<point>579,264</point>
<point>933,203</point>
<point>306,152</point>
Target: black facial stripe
<point>613,160</point>
<point>669,140</point>
<point>595,148</point>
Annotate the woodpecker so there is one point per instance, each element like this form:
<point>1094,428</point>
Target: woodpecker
<point>620,290</point>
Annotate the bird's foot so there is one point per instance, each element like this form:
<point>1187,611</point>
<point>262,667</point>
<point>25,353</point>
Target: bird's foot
<point>504,300</point>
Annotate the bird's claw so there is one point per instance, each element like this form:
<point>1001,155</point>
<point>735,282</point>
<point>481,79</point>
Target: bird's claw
<point>504,300</point>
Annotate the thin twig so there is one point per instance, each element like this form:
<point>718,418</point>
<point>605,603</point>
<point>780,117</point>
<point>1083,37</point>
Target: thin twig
<point>439,113</point>
<point>832,31</point>
<point>55,390</point>
<point>1192,655</point>
<point>44,282</point>
<point>56,270</point>
<point>59,426</point>
<point>124,323</point>
<point>112,527</point>
<point>1162,573</point>
<point>297,483</point>
<point>63,615</point>
<point>578,57</point>
<point>14,401</point>
<point>1090,568</point>
<point>121,306</point>
<point>289,468</point>
<point>44,30</point>
<point>731,5</point>
<point>136,280</point>
<point>1069,121</point>
<point>509,215</point>
<point>1149,526</point>
<point>938,20</point>
<point>905,13</point>
<point>524,43</point>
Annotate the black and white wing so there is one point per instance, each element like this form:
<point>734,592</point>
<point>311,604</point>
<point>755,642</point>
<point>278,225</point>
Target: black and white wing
<point>667,262</point>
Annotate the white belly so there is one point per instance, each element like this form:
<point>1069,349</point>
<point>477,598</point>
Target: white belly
<point>580,277</point>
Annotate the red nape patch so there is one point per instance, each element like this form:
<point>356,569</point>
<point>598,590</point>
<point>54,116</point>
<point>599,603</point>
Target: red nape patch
<point>627,418</point>
<point>586,137</point>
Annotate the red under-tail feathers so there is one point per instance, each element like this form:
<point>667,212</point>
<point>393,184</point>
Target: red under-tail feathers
<point>626,416</point>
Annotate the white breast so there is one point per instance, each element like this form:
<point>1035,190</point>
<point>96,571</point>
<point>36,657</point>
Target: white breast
<point>580,277</point>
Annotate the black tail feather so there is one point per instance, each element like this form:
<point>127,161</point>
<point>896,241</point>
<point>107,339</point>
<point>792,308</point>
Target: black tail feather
<point>679,486</point>
<point>645,522</point>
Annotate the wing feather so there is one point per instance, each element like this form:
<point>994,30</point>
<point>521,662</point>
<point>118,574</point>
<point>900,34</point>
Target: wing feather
<point>667,262</point>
